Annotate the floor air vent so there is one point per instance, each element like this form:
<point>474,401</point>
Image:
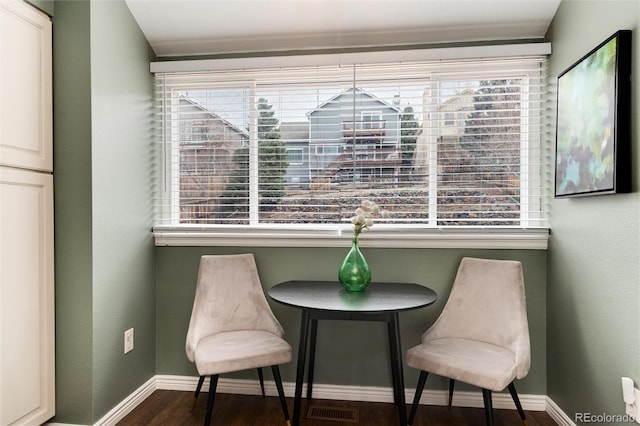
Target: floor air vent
<point>333,413</point>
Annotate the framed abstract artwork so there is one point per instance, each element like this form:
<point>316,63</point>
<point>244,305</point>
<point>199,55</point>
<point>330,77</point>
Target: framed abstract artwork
<point>593,128</point>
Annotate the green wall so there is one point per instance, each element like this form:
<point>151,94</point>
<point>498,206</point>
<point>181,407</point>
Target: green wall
<point>73,225</point>
<point>45,5</point>
<point>102,171</point>
<point>594,279</point>
<point>339,359</point>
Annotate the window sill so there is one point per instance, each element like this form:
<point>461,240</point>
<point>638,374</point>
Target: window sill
<point>476,238</point>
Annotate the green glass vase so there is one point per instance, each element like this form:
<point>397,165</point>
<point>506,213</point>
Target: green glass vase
<point>354,274</point>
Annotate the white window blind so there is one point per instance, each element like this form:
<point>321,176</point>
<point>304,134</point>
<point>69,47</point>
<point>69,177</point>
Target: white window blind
<point>456,143</point>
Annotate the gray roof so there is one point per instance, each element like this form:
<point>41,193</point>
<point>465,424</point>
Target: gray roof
<point>354,90</point>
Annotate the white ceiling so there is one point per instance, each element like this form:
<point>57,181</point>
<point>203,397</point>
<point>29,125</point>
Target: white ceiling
<point>196,27</point>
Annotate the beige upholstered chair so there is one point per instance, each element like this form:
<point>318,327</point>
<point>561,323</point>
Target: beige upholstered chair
<point>232,327</point>
<point>482,334</point>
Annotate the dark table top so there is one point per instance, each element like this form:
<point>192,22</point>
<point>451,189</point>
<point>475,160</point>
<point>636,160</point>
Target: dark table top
<point>331,296</point>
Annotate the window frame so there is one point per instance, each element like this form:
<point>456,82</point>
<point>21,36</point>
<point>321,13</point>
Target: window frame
<point>340,236</point>
<point>298,152</point>
<point>449,118</point>
<point>320,235</point>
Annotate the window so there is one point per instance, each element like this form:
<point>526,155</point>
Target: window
<point>294,156</point>
<point>370,120</point>
<point>449,118</point>
<point>295,149</point>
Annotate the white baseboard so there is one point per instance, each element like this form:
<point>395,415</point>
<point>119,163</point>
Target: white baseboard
<point>322,391</point>
<point>354,393</point>
<point>557,414</point>
<point>118,412</point>
<point>127,406</point>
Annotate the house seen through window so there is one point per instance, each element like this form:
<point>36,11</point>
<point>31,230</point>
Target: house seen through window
<point>304,146</point>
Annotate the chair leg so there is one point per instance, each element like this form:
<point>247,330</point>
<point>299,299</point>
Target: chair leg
<point>261,379</point>
<point>195,396</point>
<point>416,398</point>
<point>452,383</point>
<point>488,406</point>
<point>283,402</point>
<point>516,400</point>
<point>212,394</point>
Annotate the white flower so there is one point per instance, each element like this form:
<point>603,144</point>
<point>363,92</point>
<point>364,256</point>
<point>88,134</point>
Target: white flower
<point>363,218</point>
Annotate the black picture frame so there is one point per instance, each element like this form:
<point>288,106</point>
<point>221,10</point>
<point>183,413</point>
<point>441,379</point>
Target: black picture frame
<point>593,125</point>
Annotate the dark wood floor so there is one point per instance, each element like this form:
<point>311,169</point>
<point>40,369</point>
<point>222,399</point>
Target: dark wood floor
<point>173,408</point>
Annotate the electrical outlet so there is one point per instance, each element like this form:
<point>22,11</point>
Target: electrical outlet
<point>128,340</point>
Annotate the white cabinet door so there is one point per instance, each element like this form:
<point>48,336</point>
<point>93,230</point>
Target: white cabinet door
<point>27,385</point>
<point>25,87</point>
